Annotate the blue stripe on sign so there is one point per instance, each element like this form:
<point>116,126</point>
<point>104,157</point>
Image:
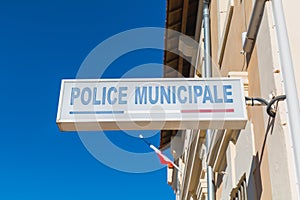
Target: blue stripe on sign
<point>96,112</point>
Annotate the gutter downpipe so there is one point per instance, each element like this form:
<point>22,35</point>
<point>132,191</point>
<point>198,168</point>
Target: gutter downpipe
<point>289,85</point>
<point>207,72</point>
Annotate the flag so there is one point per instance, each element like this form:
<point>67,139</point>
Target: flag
<point>162,158</point>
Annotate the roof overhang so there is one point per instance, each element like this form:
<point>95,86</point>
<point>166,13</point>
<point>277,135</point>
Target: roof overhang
<point>181,16</point>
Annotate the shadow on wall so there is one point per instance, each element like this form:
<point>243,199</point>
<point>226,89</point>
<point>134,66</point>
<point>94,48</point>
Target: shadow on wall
<point>255,181</point>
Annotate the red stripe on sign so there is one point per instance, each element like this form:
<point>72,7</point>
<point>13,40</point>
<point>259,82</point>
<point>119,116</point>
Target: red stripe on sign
<point>209,111</point>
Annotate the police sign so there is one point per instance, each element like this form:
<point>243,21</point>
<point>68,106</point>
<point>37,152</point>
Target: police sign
<point>157,104</point>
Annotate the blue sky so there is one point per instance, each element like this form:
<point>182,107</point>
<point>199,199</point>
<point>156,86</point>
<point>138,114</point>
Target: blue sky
<point>41,43</point>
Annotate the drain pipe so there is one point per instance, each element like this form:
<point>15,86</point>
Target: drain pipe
<point>207,72</point>
<point>289,84</point>
<point>207,69</point>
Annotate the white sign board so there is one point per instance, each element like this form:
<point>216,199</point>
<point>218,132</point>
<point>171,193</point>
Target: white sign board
<point>151,104</point>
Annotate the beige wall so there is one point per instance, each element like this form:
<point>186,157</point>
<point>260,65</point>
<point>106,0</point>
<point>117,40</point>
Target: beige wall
<point>270,144</point>
<point>261,152</point>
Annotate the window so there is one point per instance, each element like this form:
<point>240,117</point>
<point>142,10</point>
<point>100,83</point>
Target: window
<point>225,16</point>
<point>240,192</point>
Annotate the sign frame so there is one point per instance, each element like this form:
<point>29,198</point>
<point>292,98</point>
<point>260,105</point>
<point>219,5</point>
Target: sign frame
<point>185,122</point>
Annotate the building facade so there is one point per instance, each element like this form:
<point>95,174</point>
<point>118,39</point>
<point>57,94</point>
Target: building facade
<point>257,162</point>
